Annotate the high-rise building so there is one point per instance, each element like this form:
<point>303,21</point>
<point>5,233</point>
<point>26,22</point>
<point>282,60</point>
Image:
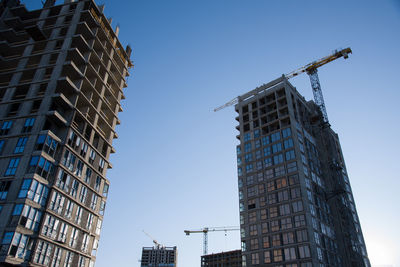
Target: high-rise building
<point>159,256</point>
<point>62,71</point>
<point>223,259</point>
<point>295,200</point>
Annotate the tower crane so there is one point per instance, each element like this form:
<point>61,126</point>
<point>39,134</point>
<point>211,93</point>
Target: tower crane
<point>205,231</point>
<point>311,70</point>
<point>157,245</point>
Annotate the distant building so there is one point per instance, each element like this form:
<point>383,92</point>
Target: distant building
<point>159,257</point>
<point>295,200</point>
<point>62,74</point>
<point>224,259</point>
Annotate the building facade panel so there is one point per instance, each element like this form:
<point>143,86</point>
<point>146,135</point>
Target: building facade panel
<point>62,72</point>
<point>295,200</point>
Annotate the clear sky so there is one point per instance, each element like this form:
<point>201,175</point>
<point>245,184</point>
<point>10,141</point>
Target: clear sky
<point>175,166</point>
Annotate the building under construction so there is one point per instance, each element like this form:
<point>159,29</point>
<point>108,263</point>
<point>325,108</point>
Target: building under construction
<point>159,256</point>
<point>224,259</point>
<point>295,200</point>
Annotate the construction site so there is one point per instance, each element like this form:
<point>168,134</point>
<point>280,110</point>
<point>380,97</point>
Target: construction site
<point>295,200</point>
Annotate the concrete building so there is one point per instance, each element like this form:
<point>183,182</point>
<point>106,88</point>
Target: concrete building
<point>62,71</point>
<point>224,259</point>
<point>295,200</point>
<point>159,256</point>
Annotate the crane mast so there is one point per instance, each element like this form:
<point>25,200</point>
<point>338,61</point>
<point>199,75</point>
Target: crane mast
<point>311,70</point>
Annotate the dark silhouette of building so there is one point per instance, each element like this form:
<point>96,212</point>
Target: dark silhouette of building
<point>159,256</point>
<point>224,259</point>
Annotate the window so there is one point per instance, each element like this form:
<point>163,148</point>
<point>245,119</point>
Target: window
<point>47,144</point>
<point>84,149</point>
<point>248,157</point>
<point>288,143</point>
<point>301,236</point>
<point>83,194</point>
<point>283,196</point>
<point>297,206</point>
<point>101,165</point>
<point>286,132</point>
<point>34,191</point>
<point>275,226</point>
<point>266,243</point>
<point>290,254</point>
<point>28,125</point>
<point>238,150</point>
<point>19,148</point>
<point>63,180</point>
<point>79,168</point>
<point>264,228</point>
<point>255,258</point>
<point>4,187</point>
<point>252,191</point>
<point>267,256</point>
<point>247,147</point>
<point>5,128</point>
<point>267,151</point>
<point>30,217</point>
<point>254,244</point>
<point>85,244</point>
<point>98,226</point>
<point>290,155</point>
<point>105,190</point>
<point>286,223</point>
<point>92,156</point>
<point>270,186</point>
<point>299,221</point>
<point>273,212</point>
<point>304,252</point>
<point>253,230</point>
<point>277,255</point>
<point>1,145</point>
<point>41,166</point>
<point>278,159</point>
<point>295,192</point>
<point>263,214</point>
<point>247,137</point>
<point>292,167</point>
<point>267,162</point>
<point>57,202</point>
<point>68,209</point>
<point>284,209</point>
<point>275,137</point>
<point>288,238</point>
<point>78,215</point>
<point>281,183</point>
<point>69,256</point>
<point>12,167</point>
<point>252,217</point>
<point>43,252</point>
<point>265,140</point>
<point>276,147</point>
<point>7,237</point>
<point>89,221</point>
<point>69,160</point>
<point>62,235</point>
<point>74,188</point>
<point>50,227</point>
<point>57,257</point>
<point>20,246</point>
<point>73,237</point>
<point>102,207</point>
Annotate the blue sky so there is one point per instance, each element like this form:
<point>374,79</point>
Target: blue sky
<point>175,166</point>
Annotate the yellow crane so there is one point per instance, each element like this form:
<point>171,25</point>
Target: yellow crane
<point>205,231</point>
<point>311,70</point>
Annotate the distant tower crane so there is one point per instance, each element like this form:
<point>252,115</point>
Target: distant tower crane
<point>157,245</point>
<point>311,70</point>
<point>205,231</point>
